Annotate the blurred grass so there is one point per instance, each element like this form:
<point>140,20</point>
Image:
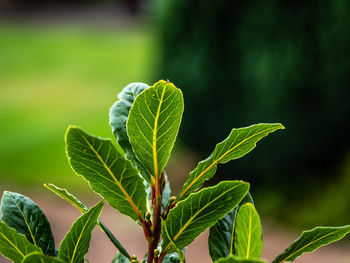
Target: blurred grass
<point>54,76</point>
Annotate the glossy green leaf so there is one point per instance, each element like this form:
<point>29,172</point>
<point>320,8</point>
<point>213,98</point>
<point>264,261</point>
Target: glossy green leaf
<point>240,142</point>
<point>108,173</point>
<point>221,235</point>
<point>63,193</point>
<point>235,259</point>
<point>75,244</point>
<point>118,116</point>
<point>22,214</point>
<point>311,240</point>
<point>40,258</point>
<point>248,233</point>
<point>201,210</point>
<point>153,125</point>
<point>13,245</point>
<point>173,244</point>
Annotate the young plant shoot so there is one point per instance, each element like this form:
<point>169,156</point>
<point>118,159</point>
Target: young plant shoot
<point>129,174</point>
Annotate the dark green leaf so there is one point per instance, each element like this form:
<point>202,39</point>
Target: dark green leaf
<point>13,245</point>
<point>248,233</point>
<point>234,259</point>
<point>221,235</point>
<point>173,244</point>
<point>311,240</point>
<point>75,244</point>
<point>240,142</point>
<point>22,214</point>
<point>108,173</point>
<point>118,116</point>
<point>201,210</point>
<point>40,258</point>
<point>63,193</point>
<point>153,125</point>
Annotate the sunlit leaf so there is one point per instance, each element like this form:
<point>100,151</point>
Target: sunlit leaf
<point>153,124</point>
<point>235,259</point>
<point>311,240</point>
<point>118,116</point>
<point>201,210</point>
<point>248,233</point>
<point>221,235</point>
<point>22,214</point>
<point>63,193</point>
<point>75,244</point>
<point>40,258</point>
<point>13,245</point>
<point>240,142</point>
<point>107,171</point>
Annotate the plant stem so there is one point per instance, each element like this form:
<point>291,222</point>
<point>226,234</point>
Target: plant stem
<point>156,205</point>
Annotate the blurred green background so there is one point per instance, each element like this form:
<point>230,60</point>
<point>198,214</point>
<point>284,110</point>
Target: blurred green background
<point>238,63</point>
<point>52,76</point>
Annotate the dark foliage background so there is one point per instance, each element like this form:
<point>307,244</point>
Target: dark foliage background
<point>244,62</point>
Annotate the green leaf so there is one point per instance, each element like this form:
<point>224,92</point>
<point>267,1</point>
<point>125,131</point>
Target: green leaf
<point>178,251</point>
<point>119,258</point>
<point>22,214</point>
<point>201,210</point>
<point>75,244</point>
<point>108,173</point>
<point>234,259</point>
<point>63,193</point>
<point>248,233</point>
<point>311,240</point>
<point>221,235</point>
<point>36,257</point>
<point>240,142</point>
<point>118,116</point>
<point>14,246</point>
<point>153,125</point>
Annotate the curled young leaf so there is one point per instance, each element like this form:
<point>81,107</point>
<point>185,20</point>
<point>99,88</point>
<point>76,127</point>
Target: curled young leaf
<point>118,116</point>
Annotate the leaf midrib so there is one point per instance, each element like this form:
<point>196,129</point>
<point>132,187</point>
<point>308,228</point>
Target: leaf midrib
<point>198,212</point>
<point>80,235</point>
<point>25,220</point>
<point>249,232</point>
<point>217,161</point>
<point>154,145</point>
<point>13,245</point>
<point>309,244</point>
<point>114,178</point>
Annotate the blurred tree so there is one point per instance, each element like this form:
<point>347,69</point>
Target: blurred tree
<point>243,62</point>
